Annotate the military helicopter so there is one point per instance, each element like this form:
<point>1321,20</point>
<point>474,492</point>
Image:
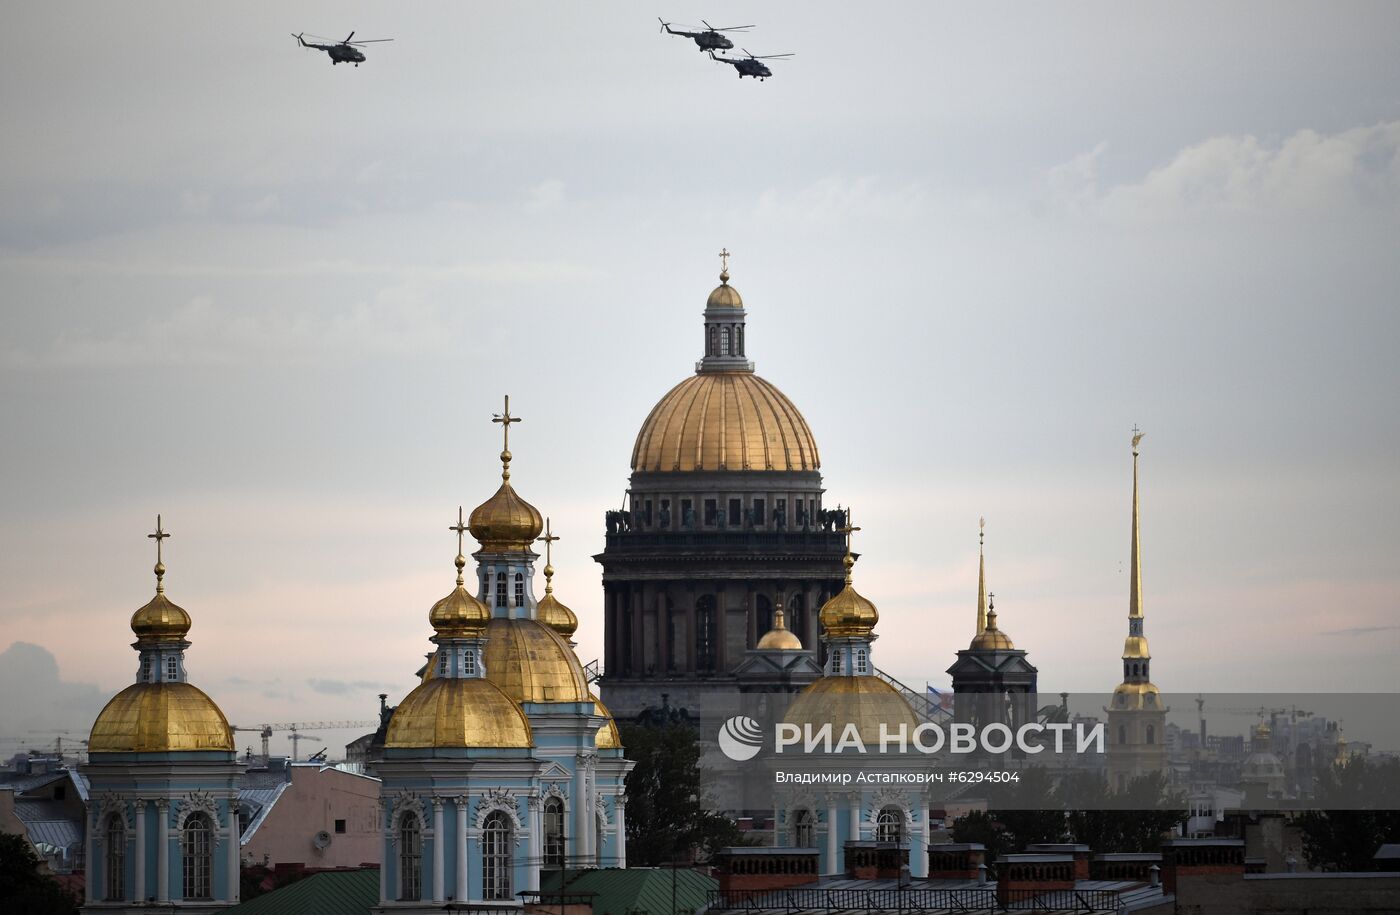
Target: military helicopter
<point>346,52</point>
<point>710,40</point>
<point>751,65</point>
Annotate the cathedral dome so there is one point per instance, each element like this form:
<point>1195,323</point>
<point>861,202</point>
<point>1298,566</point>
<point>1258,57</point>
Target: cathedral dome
<point>848,614</point>
<point>551,612</point>
<point>459,615</point>
<point>505,523</point>
<point>991,638</point>
<point>725,421</point>
<point>608,737</point>
<point>455,712</point>
<point>531,662</point>
<point>780,637</point>
<point>724,295</point>
<point>866,702</point>
<point>158,718</point>
<point>1136,696</point>
<point>160,620</point>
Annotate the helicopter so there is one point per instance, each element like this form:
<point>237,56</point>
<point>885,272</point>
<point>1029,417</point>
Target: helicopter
<point>708,40</point>
<point>346,51</point>
<point>750,65</point>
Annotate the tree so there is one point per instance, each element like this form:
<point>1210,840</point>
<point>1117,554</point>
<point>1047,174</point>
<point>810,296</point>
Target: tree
<point>1134,819</point>
<point>1029,809</point>
<point>666,815</point>
<point>1361,812</point>
<point>979,826</point>
<point>24,889</point>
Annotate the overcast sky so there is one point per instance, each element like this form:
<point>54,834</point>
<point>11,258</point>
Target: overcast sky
<point>277,301</point>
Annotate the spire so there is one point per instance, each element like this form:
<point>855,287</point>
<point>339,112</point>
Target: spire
<point>981,578</point>
<point>724,326</point>
<point>461,560</point>
<point>505,419</point>
<point>158,536</point>
<point>1135,579</point>
<point>848,561</point>
<point>160,621</point>
<point>548,541</point>
<point>724,265</point>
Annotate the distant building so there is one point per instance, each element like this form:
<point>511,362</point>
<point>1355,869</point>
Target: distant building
<point>310,815</point>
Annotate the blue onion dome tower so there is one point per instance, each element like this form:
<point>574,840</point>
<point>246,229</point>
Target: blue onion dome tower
<point>163,819</point>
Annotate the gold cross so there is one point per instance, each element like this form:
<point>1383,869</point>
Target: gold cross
<point>724,260</point>
<point>158,536</point>
<point>548,541</point>
<point>505,419</point>
<point>460,528</point>
<point>1137,437</point>
<point>848,530</point>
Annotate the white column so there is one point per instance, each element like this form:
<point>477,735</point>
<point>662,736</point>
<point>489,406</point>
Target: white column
<point>580,802</point>
<point>621,807</point>
<point>232,850</point>
<point>138,885</point>
<point>461,889</point>
<point>920,867</point>
<point>439,858</point>
<point>94,820</point>
<point>855,818</point>
<point>534,821</point>
<point>831,840</point>
<point>163,851</point>
<point>386,849</point>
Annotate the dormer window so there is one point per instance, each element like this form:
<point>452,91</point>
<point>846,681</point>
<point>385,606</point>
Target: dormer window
<point>469,662</point>
<point>519,589</point>
<point>836,662</point>
<point>172,668</point>
<point>862,661</point>
<point>147,673</point>
<point>500,589</point>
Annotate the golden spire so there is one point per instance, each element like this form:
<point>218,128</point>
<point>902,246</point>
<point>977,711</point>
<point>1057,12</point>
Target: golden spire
<point>848,614</point>
<point>724,265</point>
<point>158,536</point>
<point>1135,573</point>
<point>849,561</point>
<point>981,578</point>
<point>549,610</point>
<point>505,419</point>
<point>461,560</point>
<point>548,541</point>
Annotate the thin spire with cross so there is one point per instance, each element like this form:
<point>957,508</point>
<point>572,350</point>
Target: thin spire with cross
<point>1137,437</point>
<point>505,419</point>
<point>461,561</point>
<point>724,265</point>
<point>158,536</point>
<point>848,530</point>
<point>548,541</point>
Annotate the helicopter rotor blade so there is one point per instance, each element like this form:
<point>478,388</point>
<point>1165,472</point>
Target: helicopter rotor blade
<point>348,37</point>
<point>771,56</point>
<point>664,23</point>
<point>727,28</point>
<point>369,41</point>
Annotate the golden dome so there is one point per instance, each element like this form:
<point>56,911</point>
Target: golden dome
<point>608,738</point>
<point>459,615</point>
<point>1134,696</point>
<point>866,702</point>
<point>556,616</point>
<point>160,621</point>
<point>725,295</point>
<point>780,637</point>
<point>160,717</point>
<point>991,638</point>
<point>457,712</point>
<point>725,421</point>
<point>1135,646</point>
<point>506,523</point>
<point>532,663</point>
<point>848,614</point>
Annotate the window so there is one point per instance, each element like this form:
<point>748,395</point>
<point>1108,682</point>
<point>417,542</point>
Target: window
<point>500,589</point>
<point>410,858</point>
<point>442,663</point>
<point>1122,734</point>
<point>646,512</point>
<point>780,513</point>
<point>714,341</point>
<point>485,586</point>
<point>758,507</point>
<point>340,827</point>
<point>862,661</point>
<point>764,609</point>
<point>797,616</point>
<point>836,661</point>
<point>705,655</point>
<point>687,514</point>
<point>735,518</point>
<point>738,339</point>
<point>146,672</point>
<point>60,792</point>
<point>198,857</point>
<point>1151,734</point>
<point>889,826</point>
<point>519,589</point>
<point>116,858</point>
<point>172,668</point>
<point>711,512</point>
<point>802,829</point>
<point>495,857</point>
<point>554,833</point>
<point>724,341</point>
<point>665,513</point>
<point>469,662</point>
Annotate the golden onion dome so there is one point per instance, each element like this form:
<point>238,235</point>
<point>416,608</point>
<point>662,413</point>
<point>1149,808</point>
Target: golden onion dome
<point>556,616</point>
<point>608,738</point>
<point>848,614</point>
<point>991,638</point>
<point>780,637</point>
<point>531,662</point>
<point>866,702</point>
<point>459,615</point>
<point>456,712</point>
<point>506,523</point>
<point>159,718</point>
<point>724,295</point>
<point>160,620</point>
<point>1135,646</point>
<point>725,421</point>
<point>1136,696</point>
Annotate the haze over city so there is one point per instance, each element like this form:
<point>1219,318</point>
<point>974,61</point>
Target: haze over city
<point>278,301</point>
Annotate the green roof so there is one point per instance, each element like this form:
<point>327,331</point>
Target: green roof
<point>634,891</point>
<point>326,893</point>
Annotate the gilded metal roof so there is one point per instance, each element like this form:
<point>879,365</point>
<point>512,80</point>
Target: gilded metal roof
<point>867,702</point>
<point>725,421</point>
<point>159,717</point>
<point>532,663</point>
<point>160,620</point>
<point>458,713</point>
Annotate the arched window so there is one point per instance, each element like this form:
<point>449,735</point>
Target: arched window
<point>172,669</point>
<point>1151,734</point>
<point>836,661</point>
<point>724,341</point>
<point>889,825</point>
<point>410,858</point>
<point>862,661</point>
<point>146,670</point>
<point>714,341</point>
<point>803,826</point>
<point>495,856</point>
<point>500,589</point>
<point>554,832</point>
<point>1122,734</point>
<point>739,340</point>
<point>469,662</point>
<point>198,857</point>
<point>116,859</point>
<point>519,589</point>
<point>764,608</point>
<point>797,616</point>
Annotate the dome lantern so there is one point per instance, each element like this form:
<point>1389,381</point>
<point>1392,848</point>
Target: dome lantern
<point>724,327</point>
<point>505,523</point>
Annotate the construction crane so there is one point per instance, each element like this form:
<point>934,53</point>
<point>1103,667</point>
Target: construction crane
<point>296,735</point>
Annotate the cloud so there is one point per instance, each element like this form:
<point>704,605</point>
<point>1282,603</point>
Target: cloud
<point>545,196</point>
<point>1360,630</point>
<point>35,700</point>
<point>837,200</point>
<point>343,687</point>
<point>1308,171</point>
